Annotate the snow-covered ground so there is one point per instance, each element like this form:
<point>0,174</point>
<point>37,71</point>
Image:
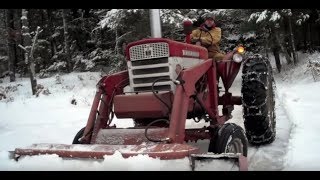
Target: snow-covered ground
<point>53,119</point>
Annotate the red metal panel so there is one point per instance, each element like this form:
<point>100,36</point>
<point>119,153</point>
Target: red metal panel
<point>142,105</point>
<point>162,151</point>
<point>228,70</point>
<point>92,117</point>
<point>116,82</point>
<point>175,48</point>
<point>178,116</point>
<point>229,99</point>
<point>243,163</point>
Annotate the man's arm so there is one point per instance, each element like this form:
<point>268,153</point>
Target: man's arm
<point>216,35</point>
<point>212,37</point>
<point>194,36</point>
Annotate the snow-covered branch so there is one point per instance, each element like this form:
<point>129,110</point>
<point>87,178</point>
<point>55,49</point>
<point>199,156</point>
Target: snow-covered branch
<point>39,30</point>
<point>23,48</point>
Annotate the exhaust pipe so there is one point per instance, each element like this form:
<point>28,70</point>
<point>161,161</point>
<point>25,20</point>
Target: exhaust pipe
<point>155,23</point>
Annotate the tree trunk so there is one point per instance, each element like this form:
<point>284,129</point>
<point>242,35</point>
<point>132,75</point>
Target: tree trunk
<point>20,54</point>
<point>11,44</point>
<point>293,48</point>
<point>117,43</point>
<point>283,49</point>
<point>28,50</point>
<point>308,37</point>
<point>51,29</point>
<point>66,39</point>
<point>318,37</point>
<point>277,58</point>
<point>275,48</point>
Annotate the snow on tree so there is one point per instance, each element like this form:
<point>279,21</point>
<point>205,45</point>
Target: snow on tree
<point>29,48</point>
<point>277,21</point>
<point>275,16</point>
<point>112,18</point>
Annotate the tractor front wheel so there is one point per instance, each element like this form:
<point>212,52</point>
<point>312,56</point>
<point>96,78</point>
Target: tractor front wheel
<point>230,138</point>
<point>78,136</point>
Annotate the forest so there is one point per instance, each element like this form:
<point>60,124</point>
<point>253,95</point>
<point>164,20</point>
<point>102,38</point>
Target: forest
<point>39,43</point>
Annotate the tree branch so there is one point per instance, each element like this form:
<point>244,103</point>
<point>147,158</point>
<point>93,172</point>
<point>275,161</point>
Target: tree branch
<point>23,48</point>
<point>34,42</point>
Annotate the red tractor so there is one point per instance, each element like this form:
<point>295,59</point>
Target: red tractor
<point>166,83</point>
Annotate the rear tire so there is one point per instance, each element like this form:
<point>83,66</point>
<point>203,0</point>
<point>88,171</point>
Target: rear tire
<point>78,136</point>
<point>258,100</point>
<point>230,138</point>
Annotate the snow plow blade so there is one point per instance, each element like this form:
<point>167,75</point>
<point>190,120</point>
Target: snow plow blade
<point>228,157</point>
<point>98,151</point>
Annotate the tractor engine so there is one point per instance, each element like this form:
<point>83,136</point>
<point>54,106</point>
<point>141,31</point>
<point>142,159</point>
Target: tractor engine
<point>153,65</point>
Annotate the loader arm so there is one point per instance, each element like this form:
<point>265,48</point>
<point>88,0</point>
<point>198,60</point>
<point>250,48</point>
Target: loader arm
<point>107,88</point>
<point>184,90</point>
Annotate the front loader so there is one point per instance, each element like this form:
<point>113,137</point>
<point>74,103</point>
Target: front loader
<point>166,83</point>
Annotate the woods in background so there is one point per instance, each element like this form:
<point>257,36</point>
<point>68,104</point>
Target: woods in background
<point>91,39</point>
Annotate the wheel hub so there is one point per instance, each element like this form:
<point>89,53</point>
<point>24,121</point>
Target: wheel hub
<point>235,146</point>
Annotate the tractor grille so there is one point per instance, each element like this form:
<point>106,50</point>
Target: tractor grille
<point>149,51</point>
<point>144,72</point>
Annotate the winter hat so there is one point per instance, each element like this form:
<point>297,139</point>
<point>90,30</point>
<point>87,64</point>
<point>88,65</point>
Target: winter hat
<point>209,16</point>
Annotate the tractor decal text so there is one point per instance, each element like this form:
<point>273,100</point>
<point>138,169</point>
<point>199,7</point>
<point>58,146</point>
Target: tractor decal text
<point>190,53</point>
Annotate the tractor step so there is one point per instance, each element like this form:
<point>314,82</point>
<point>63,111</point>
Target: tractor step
<point>98,151</point>
<point>242,160</point>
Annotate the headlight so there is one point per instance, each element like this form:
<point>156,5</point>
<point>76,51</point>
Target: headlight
<point>237,57</point>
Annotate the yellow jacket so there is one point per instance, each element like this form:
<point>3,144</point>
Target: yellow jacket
<point>209,39</point>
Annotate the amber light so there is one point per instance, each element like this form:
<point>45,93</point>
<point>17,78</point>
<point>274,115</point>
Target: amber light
<point>240,50</point>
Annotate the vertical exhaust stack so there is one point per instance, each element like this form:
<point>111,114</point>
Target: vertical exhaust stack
<point>155,23</point>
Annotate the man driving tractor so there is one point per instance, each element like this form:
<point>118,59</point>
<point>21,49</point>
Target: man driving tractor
<point>208,36</point>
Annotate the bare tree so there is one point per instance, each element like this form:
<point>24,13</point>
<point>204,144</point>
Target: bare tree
<point>66,39</point>
<point>29,48</point>
<point>293,49</point>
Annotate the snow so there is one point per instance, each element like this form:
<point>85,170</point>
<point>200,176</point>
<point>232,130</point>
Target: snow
<point>56,34</point>
<point>262,16</point>
<point>23,17</point>
<point>287,12</point>
<point>3,58</point>
<point>275,16</point>
<point>233,37</point>
<point>110,19</point>
<point>302,18</point>
<point>53,119</point>
<point>249,35</point>
<point>304,139</point>
<point>57,65</point>
<point>113,16</point>
<point>253,16</point>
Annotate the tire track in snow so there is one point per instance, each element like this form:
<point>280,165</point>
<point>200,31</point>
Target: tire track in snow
<point>272,157</point>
